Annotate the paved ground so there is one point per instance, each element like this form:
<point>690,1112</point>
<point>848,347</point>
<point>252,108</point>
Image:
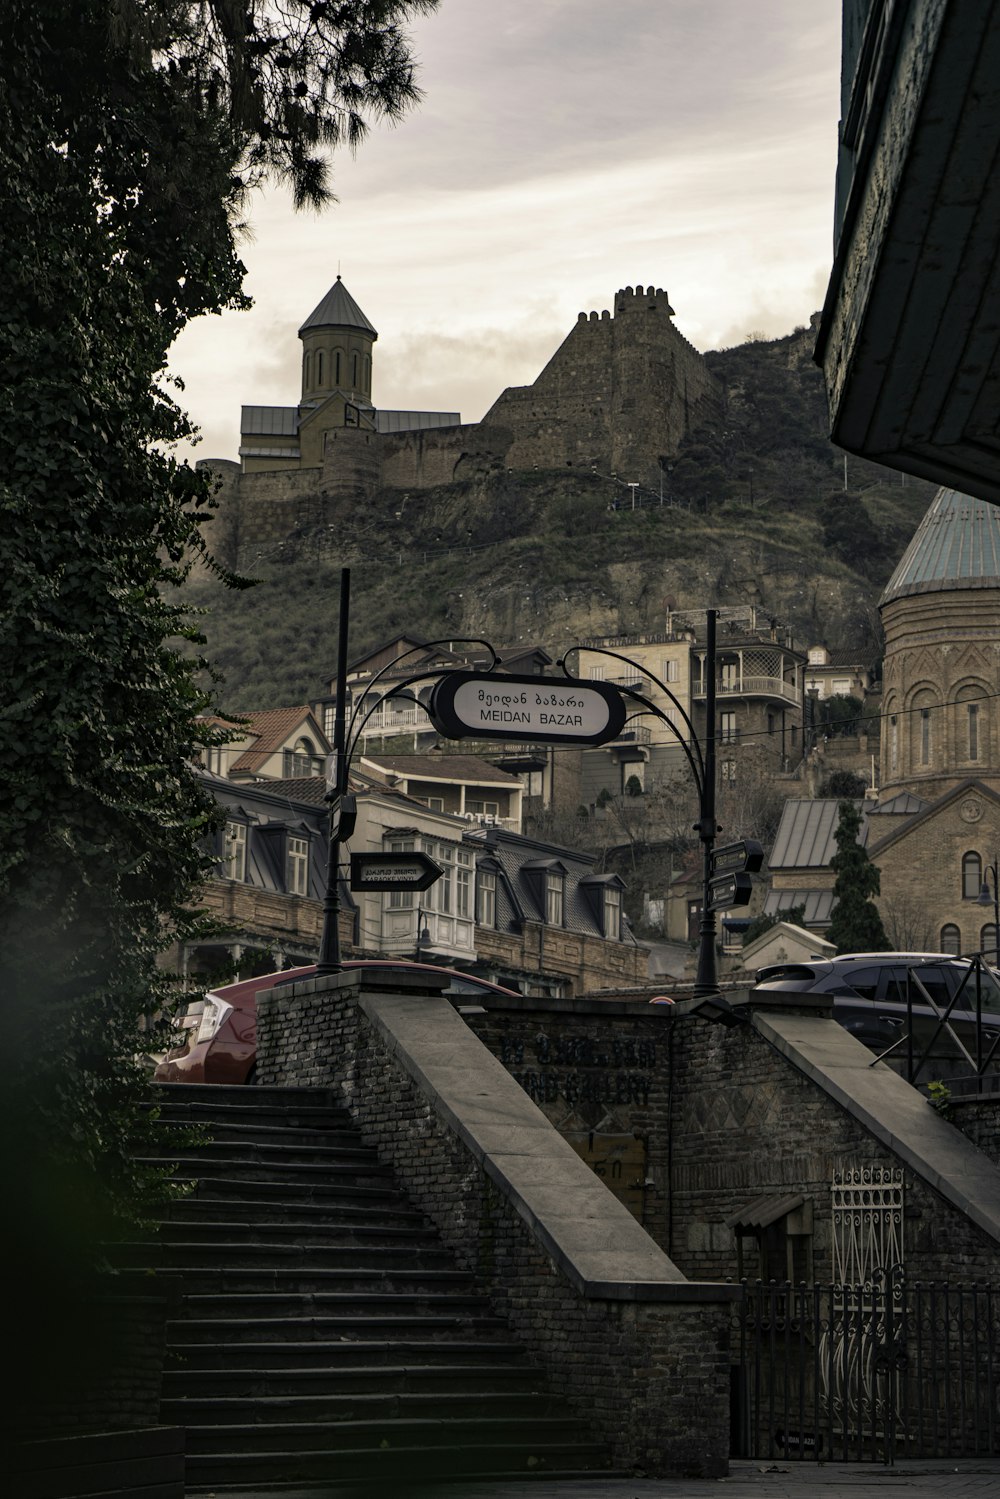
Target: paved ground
<point>747,1480</point>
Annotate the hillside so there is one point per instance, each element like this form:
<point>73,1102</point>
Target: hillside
<point>753,511</point>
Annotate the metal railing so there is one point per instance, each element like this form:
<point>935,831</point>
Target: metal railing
<point>753,686</point>
<point>867,1373</point>
<point>967,999</point>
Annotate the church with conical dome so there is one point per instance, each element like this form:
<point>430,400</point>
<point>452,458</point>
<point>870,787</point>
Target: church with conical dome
<point>337,354</point>
<point>935,831</point>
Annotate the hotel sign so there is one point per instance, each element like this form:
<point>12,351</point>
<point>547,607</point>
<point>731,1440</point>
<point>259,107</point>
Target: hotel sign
<point>554,710</point>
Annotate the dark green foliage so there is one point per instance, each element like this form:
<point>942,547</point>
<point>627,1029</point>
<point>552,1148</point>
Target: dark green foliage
<point>844,783</point>
<point>839,714</point>
<point>761,924</point>
<point>852,536</point>
<point>855,923</point>
<point>128,132</point>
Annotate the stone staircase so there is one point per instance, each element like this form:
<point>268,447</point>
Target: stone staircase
<point>325,1333</point>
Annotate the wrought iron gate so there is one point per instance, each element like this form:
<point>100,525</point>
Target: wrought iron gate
<point>867,1372</point>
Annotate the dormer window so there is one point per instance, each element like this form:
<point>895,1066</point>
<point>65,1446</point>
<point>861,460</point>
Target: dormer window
<point>234,858</point>
<point>554,897</point>
<point>297,866</point>
<point>603,894</point>
<point>486,897</point>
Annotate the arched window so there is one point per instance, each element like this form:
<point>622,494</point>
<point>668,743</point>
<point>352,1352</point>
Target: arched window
<point>368,374</point>
<point>923,728</point>
<point>306,371</point>
<point>319,368</point>
<point>972,876</point>
<point>336,368</point>
<point>989,945</point>
<point>354,371</point>
<point>951,938</point>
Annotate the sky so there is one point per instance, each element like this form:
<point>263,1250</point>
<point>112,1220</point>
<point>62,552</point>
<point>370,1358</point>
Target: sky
<point>563,149</point>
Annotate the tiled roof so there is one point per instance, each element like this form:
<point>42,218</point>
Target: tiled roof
<point>338,309</point>
<point>271,728</point>
<point>308,789</point>
<point>443,768</point>
<point>956,545</point>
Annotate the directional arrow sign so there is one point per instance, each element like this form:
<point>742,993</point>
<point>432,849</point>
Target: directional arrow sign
<point>726,890</point>
<point>416,871</point>
<point>556,710</point>
<point>748,854</point>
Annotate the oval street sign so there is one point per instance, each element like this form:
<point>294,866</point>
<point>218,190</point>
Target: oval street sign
<point>414,871</point>
<point>556,710</point>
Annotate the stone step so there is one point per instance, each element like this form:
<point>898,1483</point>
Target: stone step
<point>194,1167</point>
<point>332,1233</point>
<point>227,1307</point>
<point>359,1327</point>
<point>192,1210</point>
<point>258,1100</point>
<point>234,1256</point>
<point>323,1379</point>
<point>453,1458</point>
<point>238,1147</point>
<point>314,1437</point>
<point>489,1401</point>
<point>294,1193</point>
<point>344,1353</point>
<point>339,1132</point>
<point>221,1279</point>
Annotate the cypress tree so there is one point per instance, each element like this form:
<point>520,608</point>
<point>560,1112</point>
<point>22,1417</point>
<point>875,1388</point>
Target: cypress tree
<point>855,924</point>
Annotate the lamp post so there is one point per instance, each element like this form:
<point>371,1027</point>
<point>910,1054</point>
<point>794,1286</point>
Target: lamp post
<point>702,761</point>
<point>985,898</point>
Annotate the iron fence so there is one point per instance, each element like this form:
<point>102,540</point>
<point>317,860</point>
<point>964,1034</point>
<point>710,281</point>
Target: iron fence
<point>867,1373</point>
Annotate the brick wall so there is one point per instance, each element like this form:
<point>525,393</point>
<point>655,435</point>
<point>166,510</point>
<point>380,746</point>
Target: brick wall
<point>585,962</point>
<point>650,1373</point>
<point>102,1369</point>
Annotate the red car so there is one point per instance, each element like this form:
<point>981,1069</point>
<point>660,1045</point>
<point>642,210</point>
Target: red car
<point>220,1031</point>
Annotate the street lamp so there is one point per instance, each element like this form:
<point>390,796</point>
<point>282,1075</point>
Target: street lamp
<point>985,898</point>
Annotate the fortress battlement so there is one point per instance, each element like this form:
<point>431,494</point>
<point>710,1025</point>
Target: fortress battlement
<point>628,299</point>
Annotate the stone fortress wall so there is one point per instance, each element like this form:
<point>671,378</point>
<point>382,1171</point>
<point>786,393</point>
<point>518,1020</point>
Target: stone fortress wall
<point>618,396</point>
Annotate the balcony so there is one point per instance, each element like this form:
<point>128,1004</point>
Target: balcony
<point>395,720</point>
<point>632,733</point>
<point>753,686</point>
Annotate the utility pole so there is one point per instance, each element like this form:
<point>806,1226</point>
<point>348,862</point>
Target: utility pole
<point>329,952</point>
<point>706,978</point>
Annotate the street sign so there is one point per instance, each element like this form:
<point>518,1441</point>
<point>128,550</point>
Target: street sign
<point>414,871</point>
<point>726,890</point>
<point>748,854</point>
<point>343,816</point>
<point>555,710</point>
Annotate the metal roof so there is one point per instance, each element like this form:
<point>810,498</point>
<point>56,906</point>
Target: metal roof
<point>818,905</point>
<point>956,545</point>
<point>269,421</point>
<point>805,837</point>
<point>415,421</point>
<point>338,309</point>
<point>764,1211</point>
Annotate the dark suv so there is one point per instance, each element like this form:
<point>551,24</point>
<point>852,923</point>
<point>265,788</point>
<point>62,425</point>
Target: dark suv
<point>872,991</point>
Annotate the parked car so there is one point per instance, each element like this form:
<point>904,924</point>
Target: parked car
<point>220,1031</point>
<point>870,991</point>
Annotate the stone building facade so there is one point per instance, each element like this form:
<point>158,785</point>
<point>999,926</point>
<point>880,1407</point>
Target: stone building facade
<point>617,397</point>
<point>940,754</point>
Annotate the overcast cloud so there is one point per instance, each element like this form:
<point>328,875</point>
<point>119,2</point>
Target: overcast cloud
<point>564,149</point>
